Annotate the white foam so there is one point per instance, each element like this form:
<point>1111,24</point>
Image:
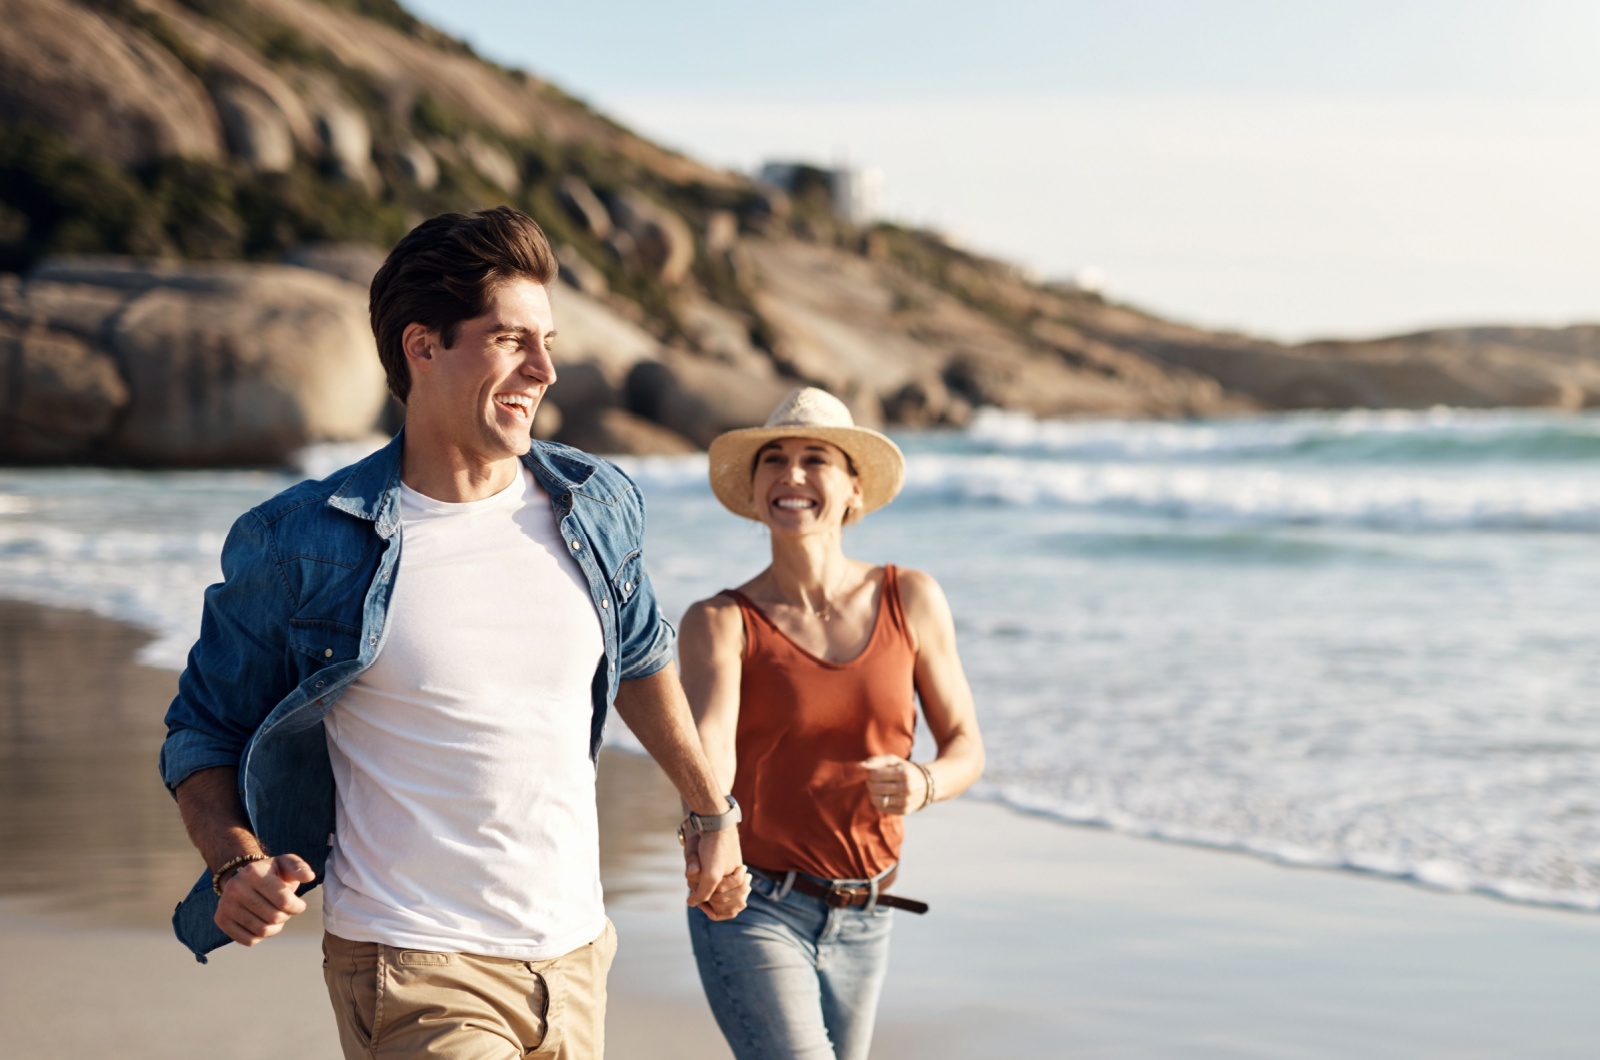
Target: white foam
<point>1436,873</point>
<point>1426,499</point>
<point>1260,436</point>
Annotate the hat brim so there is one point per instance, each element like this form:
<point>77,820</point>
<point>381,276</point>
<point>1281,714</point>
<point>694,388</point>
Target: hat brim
<point>878,462</point>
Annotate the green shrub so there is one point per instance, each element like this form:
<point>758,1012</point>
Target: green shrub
<point>70,203</point>
<point>430,116</point>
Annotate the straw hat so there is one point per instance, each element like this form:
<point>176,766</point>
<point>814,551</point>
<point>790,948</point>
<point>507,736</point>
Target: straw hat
<point>807,413</point>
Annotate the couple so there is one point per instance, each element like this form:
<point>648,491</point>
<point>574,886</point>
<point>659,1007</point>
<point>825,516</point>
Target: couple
<point>421,733</point>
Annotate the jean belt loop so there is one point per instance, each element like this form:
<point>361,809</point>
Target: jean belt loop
<point>783,889</point>
<point>872,896</point>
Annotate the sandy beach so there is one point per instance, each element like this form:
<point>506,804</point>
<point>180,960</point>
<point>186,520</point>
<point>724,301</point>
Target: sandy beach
<point>1044,940</point>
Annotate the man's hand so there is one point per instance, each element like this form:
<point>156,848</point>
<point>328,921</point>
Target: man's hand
<point>714,868</point>
<point>894,784</point>
<point>258,899</point>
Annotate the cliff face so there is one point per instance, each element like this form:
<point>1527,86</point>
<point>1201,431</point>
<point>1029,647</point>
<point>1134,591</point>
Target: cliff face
<point>315,132</point>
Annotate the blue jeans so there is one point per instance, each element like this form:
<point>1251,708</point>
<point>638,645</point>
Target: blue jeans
<point>791,979</point>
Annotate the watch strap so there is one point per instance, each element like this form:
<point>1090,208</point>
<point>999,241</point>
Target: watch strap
<point>714,822</point>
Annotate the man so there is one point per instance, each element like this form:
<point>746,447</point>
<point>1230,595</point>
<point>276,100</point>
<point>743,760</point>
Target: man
<point>401,681</point>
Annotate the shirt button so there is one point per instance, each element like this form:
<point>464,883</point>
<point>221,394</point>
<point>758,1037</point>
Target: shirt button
<point>605,603</point>
<point>576,545</point>
<point>613,667</point>
<point>627,587</point>
<point>327,653</point>
<point>370,640</point>
<point>319,685</point>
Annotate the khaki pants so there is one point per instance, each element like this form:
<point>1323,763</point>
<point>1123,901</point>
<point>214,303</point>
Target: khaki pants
<point>394,1003</point>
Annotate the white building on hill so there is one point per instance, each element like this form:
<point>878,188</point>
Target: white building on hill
<point>857,194</point>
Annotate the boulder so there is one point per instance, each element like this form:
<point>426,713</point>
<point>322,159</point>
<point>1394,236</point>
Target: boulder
<point>102,85</point>
<point>229,363</point>
<point>582,389</point>
<point>719,333</point>
<point>256,130</point>
<point>700,399</point>
<point>663,240</point>
<point>622,246</point>
<point>418,164</point>
<point>491,162</point>
<point>84,310</point>
<point>353,263</point>
<point>588,329</point>
<point>345,136</point>
<point>615,432</point>
<point>229,61</point>
<point>867,332</point>
<point>579,200</point>
<point>927,402</point>
<point>769,210</point>
<point>722,231</point>
<point>59,397</point>
<point>576,271</point>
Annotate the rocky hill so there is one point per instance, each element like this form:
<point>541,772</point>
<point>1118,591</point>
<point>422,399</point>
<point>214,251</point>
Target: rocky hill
<point>193,194</point>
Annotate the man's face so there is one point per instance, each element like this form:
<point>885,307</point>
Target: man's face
<point>482,392</point>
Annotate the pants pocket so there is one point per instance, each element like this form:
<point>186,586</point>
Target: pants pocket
<point>353,972</point>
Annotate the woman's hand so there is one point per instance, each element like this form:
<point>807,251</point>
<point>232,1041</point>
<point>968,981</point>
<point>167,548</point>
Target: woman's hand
<point>732,892</point>
<point>895,785</point>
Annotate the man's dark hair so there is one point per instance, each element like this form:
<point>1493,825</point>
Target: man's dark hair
<point>444,271</point>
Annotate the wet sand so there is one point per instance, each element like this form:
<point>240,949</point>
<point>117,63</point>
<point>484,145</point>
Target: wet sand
<point>1044,940</point>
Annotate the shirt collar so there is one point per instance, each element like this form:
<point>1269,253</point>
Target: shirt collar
<point>372,490</point>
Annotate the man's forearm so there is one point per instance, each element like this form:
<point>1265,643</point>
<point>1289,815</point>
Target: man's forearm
<point>655,709</point>
<point>214,817</point>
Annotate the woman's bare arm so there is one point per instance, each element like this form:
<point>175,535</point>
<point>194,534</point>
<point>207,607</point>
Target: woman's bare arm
<point>946,704</point>
<point>711,655</point>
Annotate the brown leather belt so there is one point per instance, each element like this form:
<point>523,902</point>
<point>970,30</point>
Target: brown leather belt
<point>838,897</point>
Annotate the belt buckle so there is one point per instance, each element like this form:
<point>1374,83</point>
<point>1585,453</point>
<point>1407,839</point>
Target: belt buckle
<point>840,897</point>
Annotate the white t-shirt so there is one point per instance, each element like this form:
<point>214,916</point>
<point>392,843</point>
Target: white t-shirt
<point>465,794</point>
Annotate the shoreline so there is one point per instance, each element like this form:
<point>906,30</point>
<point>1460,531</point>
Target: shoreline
<point>1045,938</point>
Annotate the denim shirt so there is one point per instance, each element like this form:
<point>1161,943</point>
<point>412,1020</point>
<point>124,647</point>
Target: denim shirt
<point>302,610</point>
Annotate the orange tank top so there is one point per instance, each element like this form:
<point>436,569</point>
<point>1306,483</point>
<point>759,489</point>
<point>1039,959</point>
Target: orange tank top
<point>805,725</point>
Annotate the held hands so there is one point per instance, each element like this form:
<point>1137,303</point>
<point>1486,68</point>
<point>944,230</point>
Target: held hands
<point>719,885</point>
<point>896,786</point>
<point>258,899</point>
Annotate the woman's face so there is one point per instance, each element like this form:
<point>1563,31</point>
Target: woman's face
<point>803,485</point>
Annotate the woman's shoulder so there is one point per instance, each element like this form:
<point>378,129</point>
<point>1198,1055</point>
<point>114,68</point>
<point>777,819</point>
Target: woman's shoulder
<point>921,596</point>
<point>916,583</point>
<point>723,602</point>
<point>714,618</point>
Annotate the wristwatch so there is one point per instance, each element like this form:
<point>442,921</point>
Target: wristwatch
<point>711,822</point>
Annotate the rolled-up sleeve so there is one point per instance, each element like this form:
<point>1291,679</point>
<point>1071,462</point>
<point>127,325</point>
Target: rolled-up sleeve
<point>649,642</point>
<point>236,671</point>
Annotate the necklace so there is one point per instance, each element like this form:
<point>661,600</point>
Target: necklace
<point>826,612</point>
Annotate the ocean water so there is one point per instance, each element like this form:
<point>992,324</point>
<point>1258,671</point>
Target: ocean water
<point>1364,640</point>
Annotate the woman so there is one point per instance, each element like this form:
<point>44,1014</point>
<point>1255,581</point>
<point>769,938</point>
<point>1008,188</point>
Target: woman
<point>804,683</point>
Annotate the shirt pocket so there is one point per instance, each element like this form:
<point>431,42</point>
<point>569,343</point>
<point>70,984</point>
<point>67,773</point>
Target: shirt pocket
<point>323,642</point>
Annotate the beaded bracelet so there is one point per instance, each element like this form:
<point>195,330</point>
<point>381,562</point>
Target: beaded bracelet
<point>231,864</point>
<point>927,775</point>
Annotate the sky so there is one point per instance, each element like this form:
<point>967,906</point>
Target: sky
<point>1292,168</point>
